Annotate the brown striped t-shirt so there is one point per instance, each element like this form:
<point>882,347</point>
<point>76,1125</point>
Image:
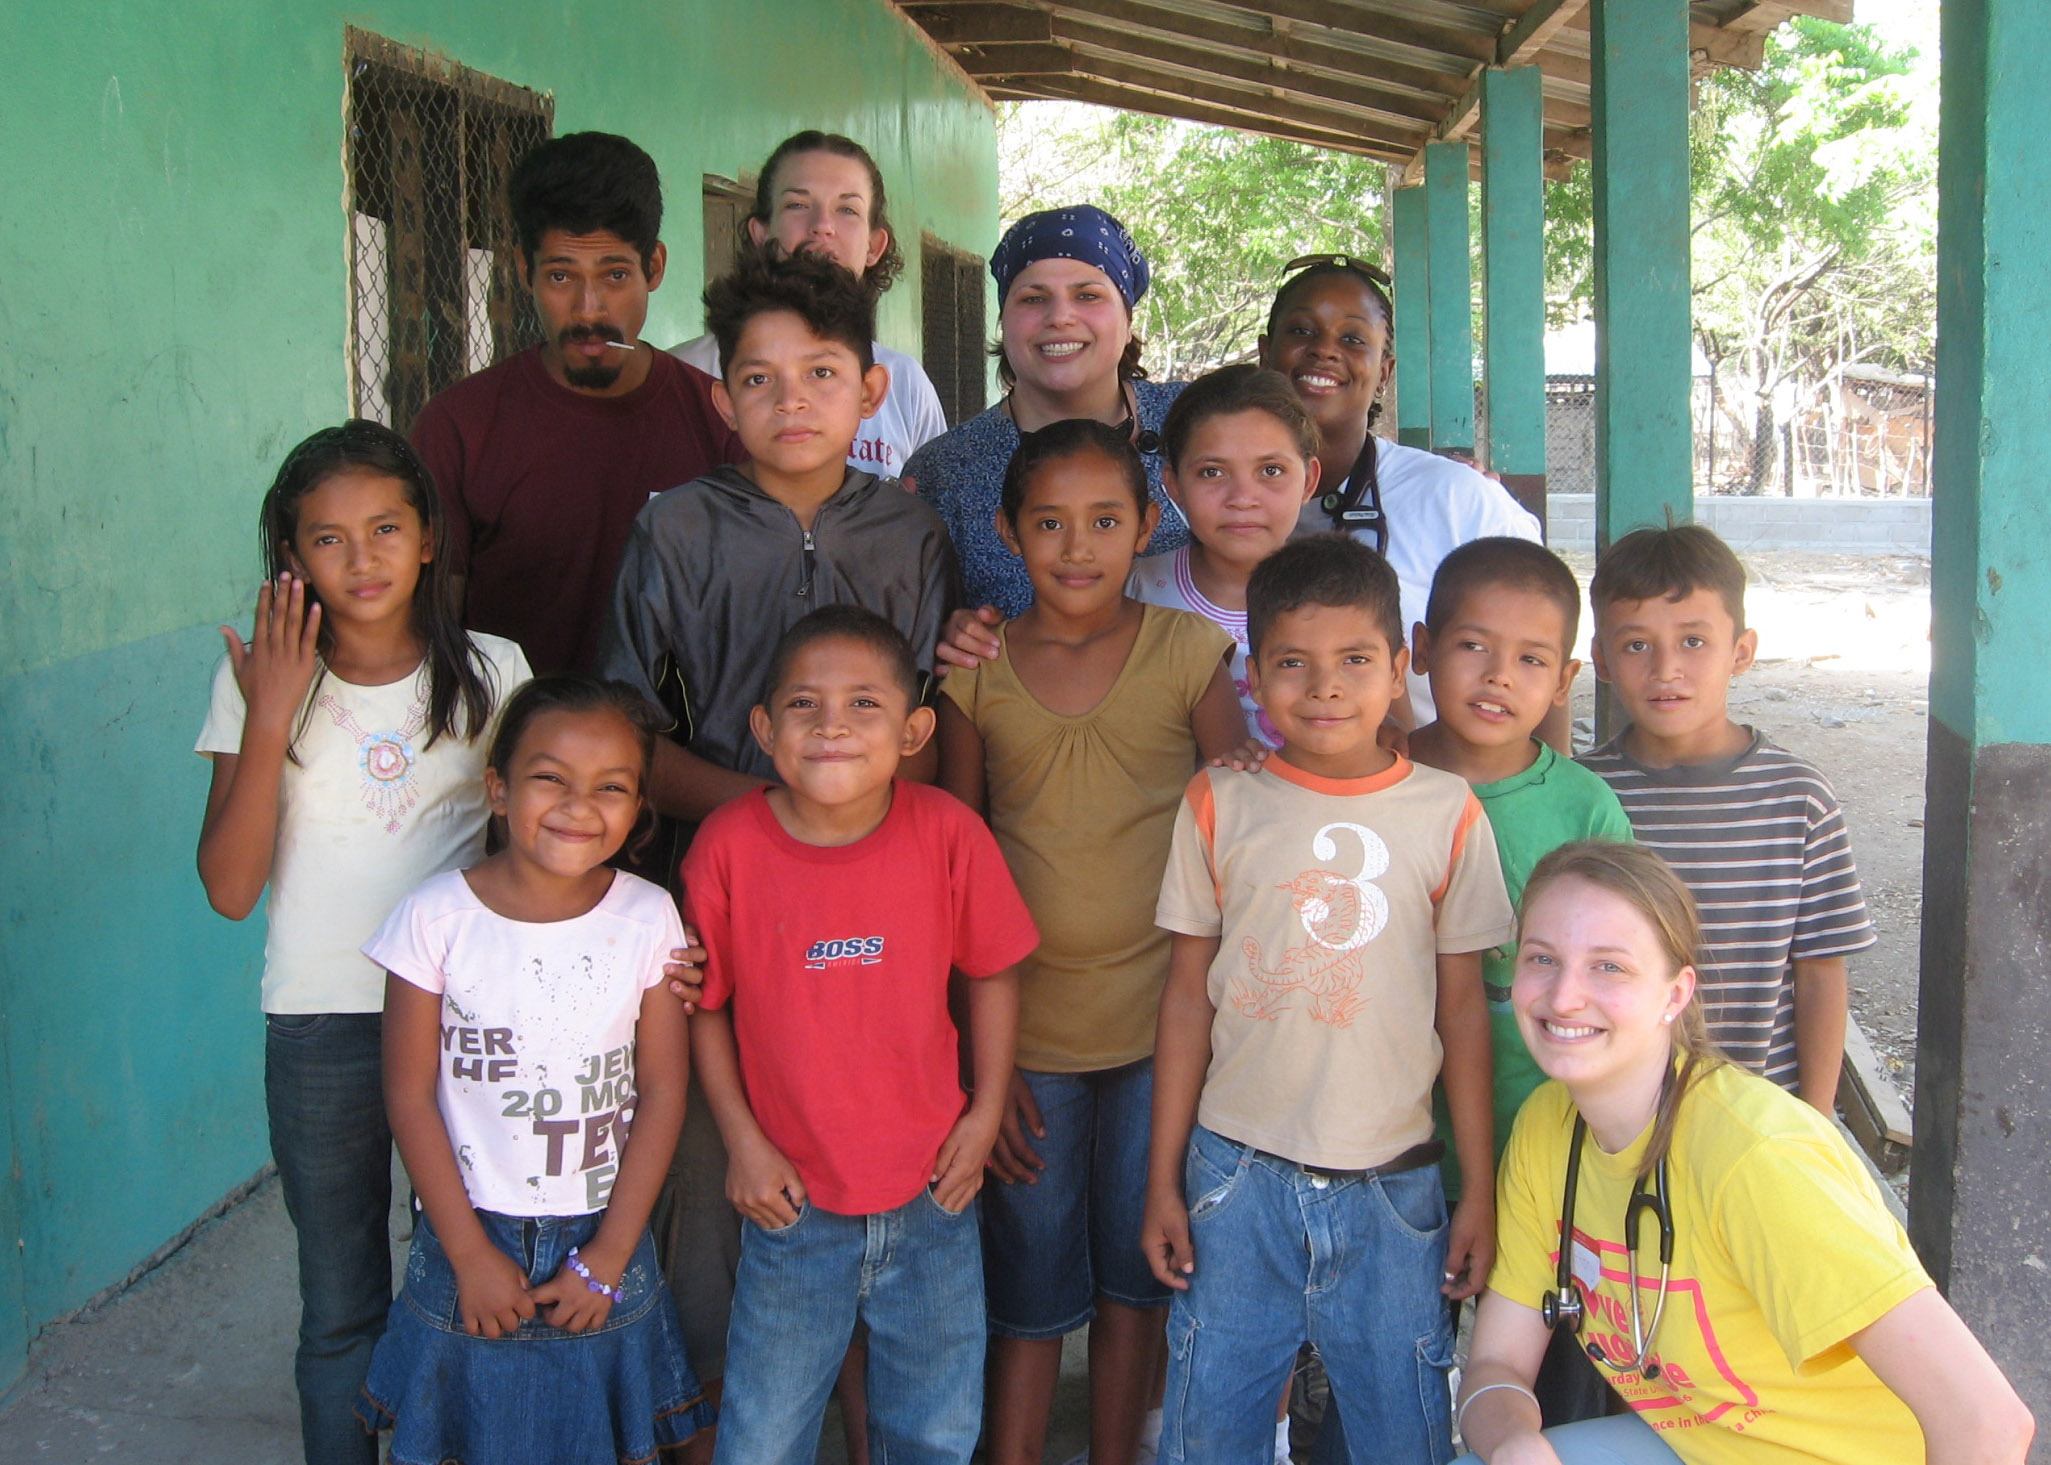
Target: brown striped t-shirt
<point>1761,843</point>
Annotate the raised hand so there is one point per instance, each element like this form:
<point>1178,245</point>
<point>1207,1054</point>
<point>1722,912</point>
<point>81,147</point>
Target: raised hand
<point>277,664</point>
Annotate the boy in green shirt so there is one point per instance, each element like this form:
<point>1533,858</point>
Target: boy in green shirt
<point>1497,644</point>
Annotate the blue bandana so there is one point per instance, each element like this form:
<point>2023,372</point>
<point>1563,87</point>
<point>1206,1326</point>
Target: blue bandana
<point>1084,233</point>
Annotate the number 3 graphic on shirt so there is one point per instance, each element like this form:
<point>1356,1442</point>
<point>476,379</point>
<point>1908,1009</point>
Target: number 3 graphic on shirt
<point>1374,861</point>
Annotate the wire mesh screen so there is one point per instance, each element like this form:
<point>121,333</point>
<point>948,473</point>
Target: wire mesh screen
<point>1865,431</point>
<point>434,276</point>
<point>951,282</point>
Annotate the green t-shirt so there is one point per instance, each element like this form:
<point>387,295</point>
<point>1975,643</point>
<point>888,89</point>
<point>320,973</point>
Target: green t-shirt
<point>1553,802</point>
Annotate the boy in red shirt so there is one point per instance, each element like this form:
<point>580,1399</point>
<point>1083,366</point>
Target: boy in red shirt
<point>833,909</point>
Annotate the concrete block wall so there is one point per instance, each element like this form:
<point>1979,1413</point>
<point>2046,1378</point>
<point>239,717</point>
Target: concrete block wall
<point>1844,526</point>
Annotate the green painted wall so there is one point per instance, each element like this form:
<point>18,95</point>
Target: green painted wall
<point>174,317</point>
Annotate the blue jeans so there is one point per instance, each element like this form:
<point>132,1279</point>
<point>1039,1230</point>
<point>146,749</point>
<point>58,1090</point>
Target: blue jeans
<point>1054,1245</point>
<point>1286,1255</point>
<point>915,1276</point>
<point>324,1090</point>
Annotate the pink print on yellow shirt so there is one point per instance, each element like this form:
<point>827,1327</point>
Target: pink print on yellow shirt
<point>1339,915</point>
<point>1608,1328</point>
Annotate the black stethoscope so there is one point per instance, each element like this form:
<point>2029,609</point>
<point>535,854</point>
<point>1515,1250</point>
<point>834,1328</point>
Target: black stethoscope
<point>1563,1303</point>
<point>1359,504</point>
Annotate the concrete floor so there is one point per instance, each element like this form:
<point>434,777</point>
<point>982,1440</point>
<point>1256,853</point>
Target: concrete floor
<point>193,1363</point>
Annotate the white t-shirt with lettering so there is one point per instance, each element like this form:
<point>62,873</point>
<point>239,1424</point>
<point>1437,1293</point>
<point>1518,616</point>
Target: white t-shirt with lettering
<point>909,418</point>
<point>367,813</point>
<point>536,1077</point>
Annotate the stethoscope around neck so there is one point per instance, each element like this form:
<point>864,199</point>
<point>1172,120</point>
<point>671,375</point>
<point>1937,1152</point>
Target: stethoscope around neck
<point>1563,1304</point>
<point>1358,505</point>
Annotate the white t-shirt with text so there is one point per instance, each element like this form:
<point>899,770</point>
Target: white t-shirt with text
<point>536,1077</point>
<point>909,417</point>
<point>366,813</point>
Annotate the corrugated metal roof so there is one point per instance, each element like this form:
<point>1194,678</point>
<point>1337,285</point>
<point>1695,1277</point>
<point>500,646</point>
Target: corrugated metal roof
<point>1380,77</point>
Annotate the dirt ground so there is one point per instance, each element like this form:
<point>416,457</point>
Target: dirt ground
<point>1843,679</point>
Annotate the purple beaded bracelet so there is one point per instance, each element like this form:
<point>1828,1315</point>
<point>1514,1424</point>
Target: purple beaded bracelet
<point>591,1283</point>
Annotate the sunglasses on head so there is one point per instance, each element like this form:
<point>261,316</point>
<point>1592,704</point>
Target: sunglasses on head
<point>1351,262</point>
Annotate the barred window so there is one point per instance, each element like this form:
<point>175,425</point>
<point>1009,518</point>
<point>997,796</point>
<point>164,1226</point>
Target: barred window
<point>955,358</point>
<point>434,280</point>
<point>727,206</point>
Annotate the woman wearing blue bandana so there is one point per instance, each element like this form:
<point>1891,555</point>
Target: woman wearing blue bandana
<point>1067,280</point>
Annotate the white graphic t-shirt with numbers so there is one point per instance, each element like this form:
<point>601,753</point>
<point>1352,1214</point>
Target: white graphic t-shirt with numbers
<point>536,1076</point>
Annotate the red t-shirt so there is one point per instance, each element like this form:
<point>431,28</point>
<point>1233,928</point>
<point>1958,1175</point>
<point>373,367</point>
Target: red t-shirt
<point>541,484</point>
<point>836,960</point>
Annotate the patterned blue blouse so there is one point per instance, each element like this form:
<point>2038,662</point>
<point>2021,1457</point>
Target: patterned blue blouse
<point>961,473</point>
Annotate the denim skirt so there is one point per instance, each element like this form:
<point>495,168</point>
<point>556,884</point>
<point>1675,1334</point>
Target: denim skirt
<point>541,1396</point>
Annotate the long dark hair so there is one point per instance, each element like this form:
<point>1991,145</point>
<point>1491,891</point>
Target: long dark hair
<point>459,674</point>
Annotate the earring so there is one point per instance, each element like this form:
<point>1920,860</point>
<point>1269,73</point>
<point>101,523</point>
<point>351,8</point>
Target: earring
<point>1668,1018</point>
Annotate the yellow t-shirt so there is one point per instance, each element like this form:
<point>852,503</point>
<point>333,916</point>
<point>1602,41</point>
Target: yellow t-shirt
<point>1783,1248</point>
<point>1082,808</point>
<point>1333,899</point>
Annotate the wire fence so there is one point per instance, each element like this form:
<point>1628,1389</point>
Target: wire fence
<point>1864,432</point>
<point>434,271</point>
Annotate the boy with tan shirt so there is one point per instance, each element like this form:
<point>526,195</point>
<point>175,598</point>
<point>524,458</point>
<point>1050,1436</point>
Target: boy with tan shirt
<point>1329,913</point>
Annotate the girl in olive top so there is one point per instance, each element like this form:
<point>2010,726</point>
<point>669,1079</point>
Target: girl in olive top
<point>1078,740</point>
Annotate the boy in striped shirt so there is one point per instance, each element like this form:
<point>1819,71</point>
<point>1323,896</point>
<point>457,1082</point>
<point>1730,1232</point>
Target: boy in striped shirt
<point>1754,830</point>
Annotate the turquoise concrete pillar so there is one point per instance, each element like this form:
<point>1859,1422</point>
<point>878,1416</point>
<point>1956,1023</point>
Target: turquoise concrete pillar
<point>1644,448</point>
<point>1451,293</point>
<point>1513,274</point>
<point>1413,321</point>
<point>1980,1209</point>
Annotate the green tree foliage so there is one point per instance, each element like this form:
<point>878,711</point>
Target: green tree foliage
<point>1814,227</point>
<point>1814,186</point>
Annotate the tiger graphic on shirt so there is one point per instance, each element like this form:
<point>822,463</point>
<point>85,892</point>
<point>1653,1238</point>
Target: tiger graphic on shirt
<point>1340,915</point>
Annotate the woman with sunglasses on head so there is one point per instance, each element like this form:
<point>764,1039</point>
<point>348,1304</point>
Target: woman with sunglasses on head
<point>1328,333</point>
<point>1067,282</point>
<point>1728,1263</point>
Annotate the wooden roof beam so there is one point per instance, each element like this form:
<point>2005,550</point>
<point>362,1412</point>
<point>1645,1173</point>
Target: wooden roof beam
<point>1309,47</point>
<point>1447,48</point>
<point>1015,58</point>
<point>977,24</point>
<point>1111,94</point>
<point>1324,114</point>
<point>1535,29</point>
<point>1767,14</point>
<point>1111,43</point>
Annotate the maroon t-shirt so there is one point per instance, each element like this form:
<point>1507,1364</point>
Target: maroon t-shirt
<point>541,484</point>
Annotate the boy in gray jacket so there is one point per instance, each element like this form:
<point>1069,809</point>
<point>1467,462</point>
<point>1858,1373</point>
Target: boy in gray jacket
<point>713,574</point>
<point>716,571</point>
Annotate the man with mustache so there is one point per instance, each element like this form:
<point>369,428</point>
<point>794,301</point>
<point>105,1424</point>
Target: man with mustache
<point>543,460</point>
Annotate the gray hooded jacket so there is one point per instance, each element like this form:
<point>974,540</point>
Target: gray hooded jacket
<point>716,571</point>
